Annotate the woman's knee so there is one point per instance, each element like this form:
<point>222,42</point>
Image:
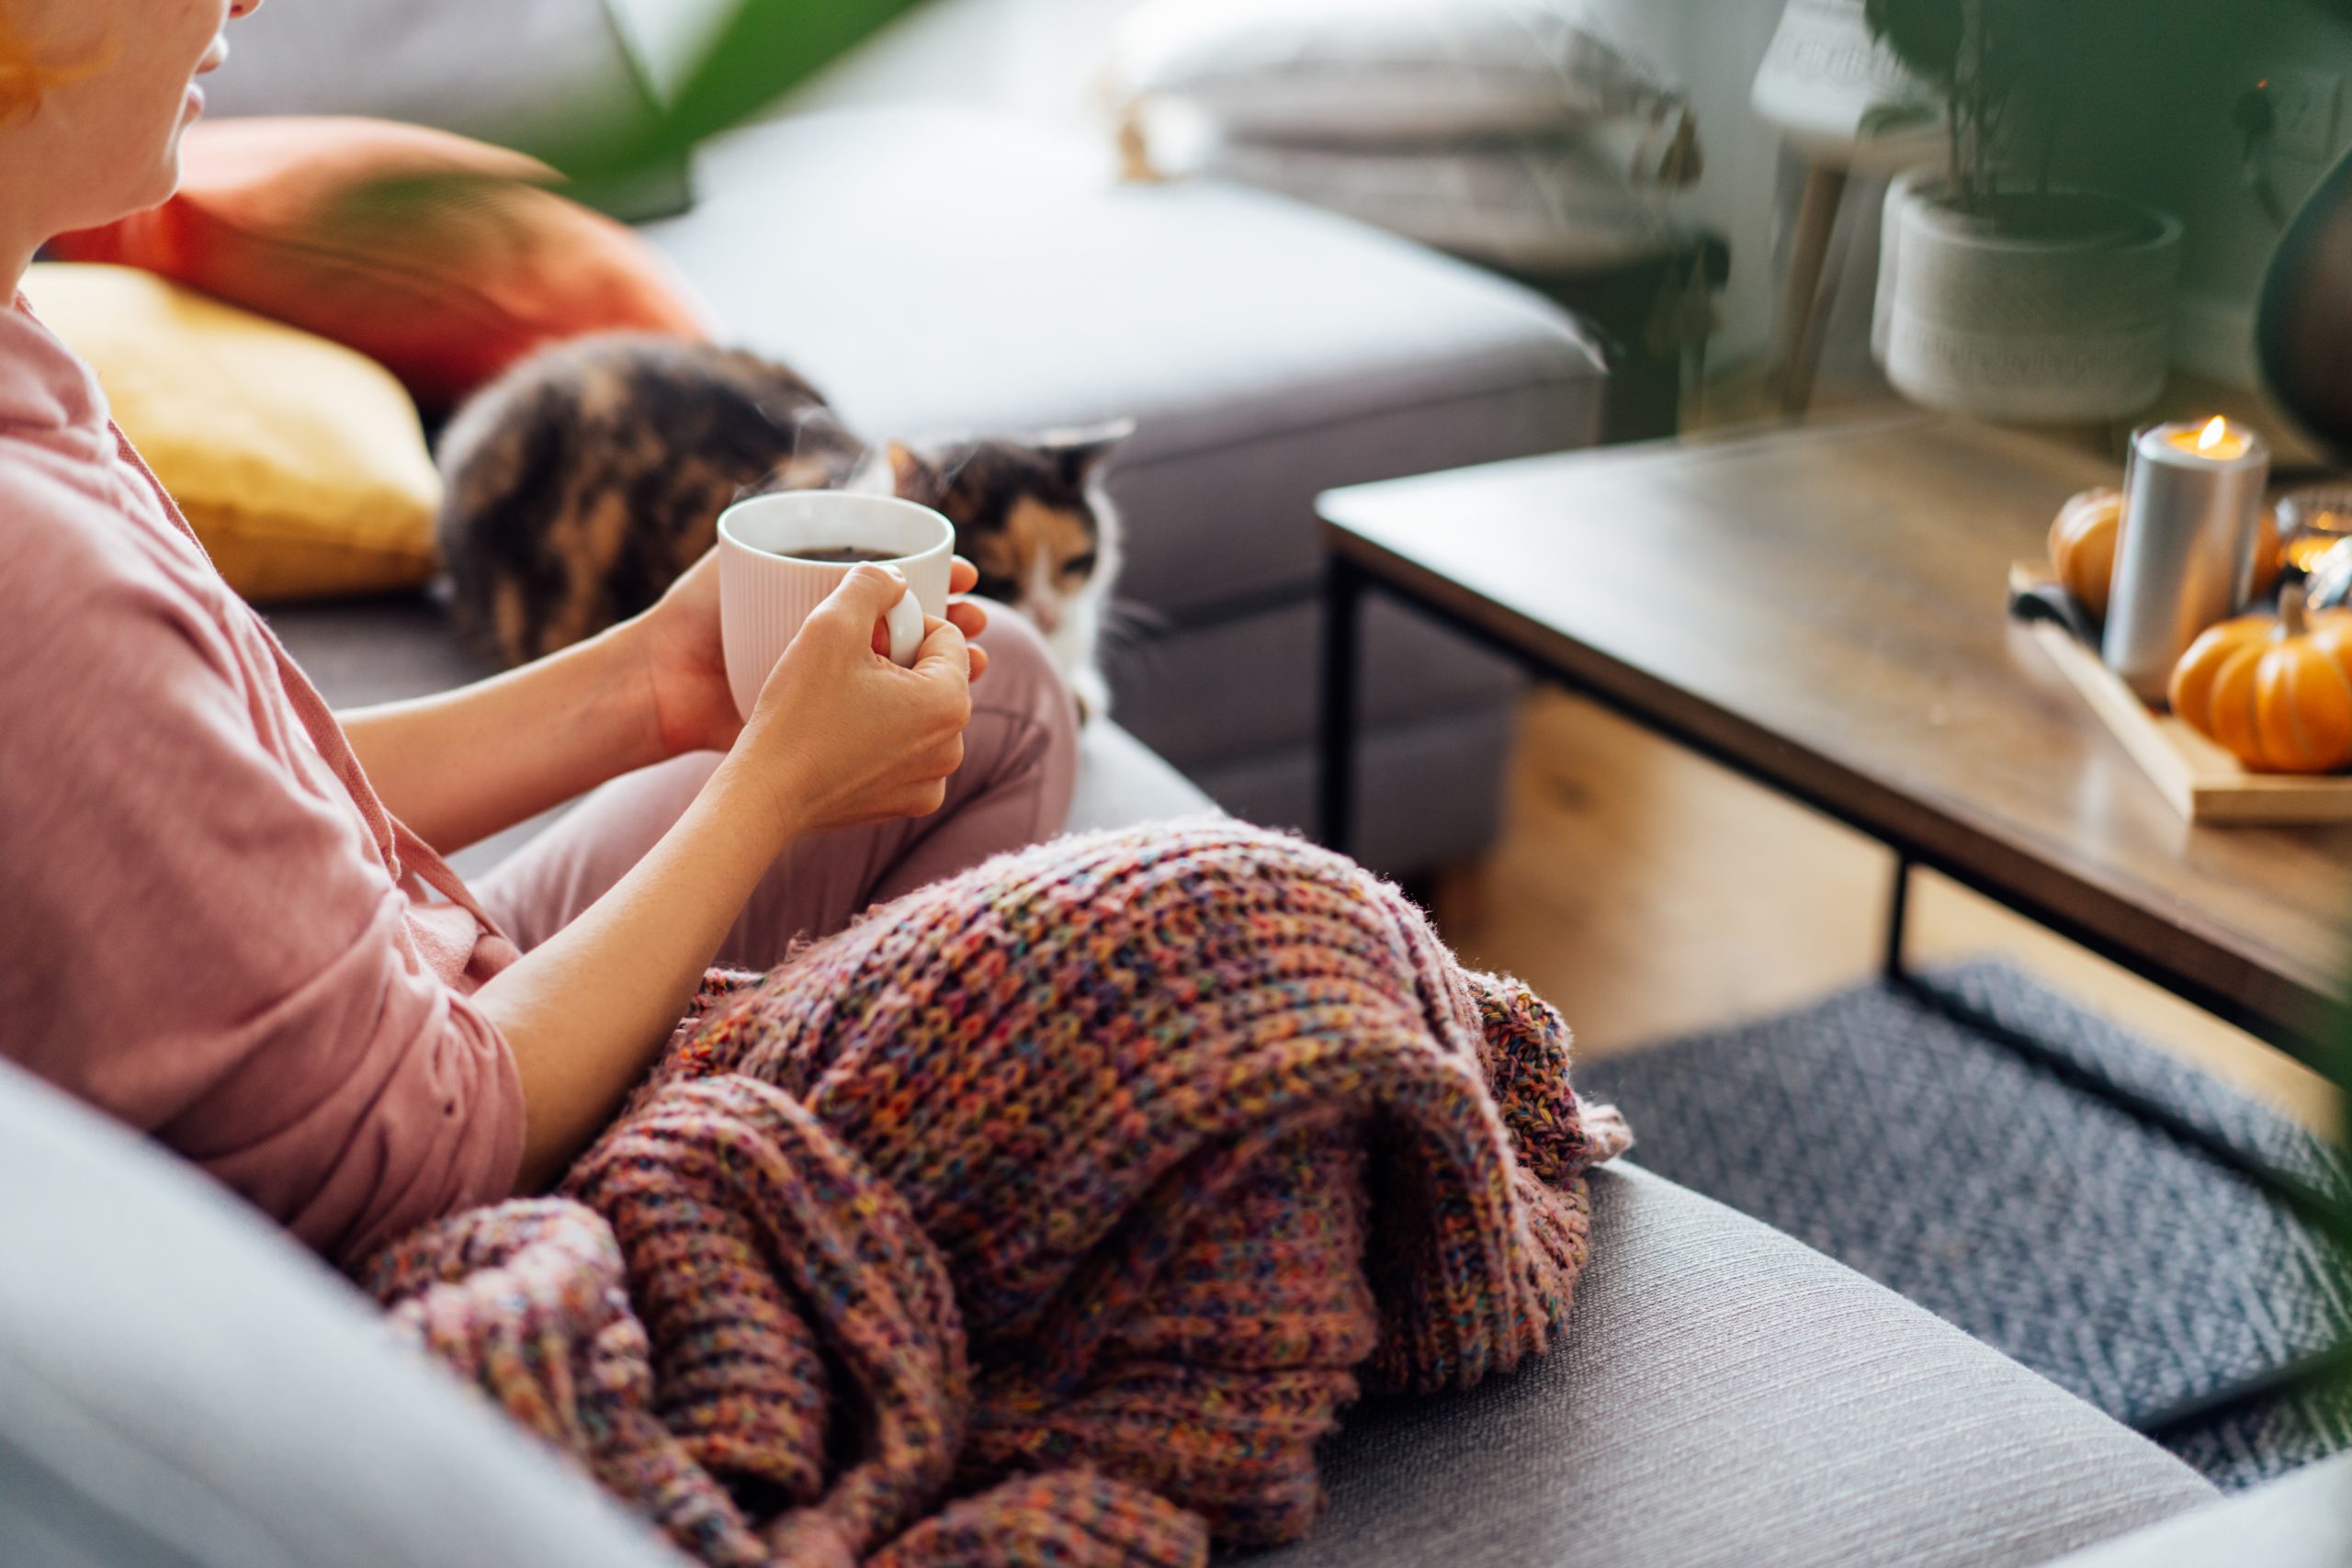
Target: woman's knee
<point>1028,699</point>
<point>1023,672</point>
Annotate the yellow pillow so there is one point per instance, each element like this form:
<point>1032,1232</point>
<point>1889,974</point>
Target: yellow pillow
<point>301,465</point>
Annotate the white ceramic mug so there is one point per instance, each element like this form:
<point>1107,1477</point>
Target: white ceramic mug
<point>766,590</point>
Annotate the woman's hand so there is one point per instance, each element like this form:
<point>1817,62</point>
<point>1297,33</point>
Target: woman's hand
<point>842,736</point>
<point>688,701</point>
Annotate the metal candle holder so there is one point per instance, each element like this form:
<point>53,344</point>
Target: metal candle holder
<point>2185,559</point>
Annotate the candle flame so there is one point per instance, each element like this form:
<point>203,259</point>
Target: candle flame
<point>2216,433</point>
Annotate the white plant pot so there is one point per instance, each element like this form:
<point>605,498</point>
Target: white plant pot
<point>1974,321</point>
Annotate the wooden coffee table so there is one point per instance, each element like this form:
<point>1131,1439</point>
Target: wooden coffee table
<point>1821,609</point>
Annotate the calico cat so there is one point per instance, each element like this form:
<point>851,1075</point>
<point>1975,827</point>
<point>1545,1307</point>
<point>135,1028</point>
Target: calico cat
<point>582,484</point>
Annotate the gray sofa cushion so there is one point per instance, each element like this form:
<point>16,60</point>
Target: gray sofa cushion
<point>187,1388</point>
<point>1729,1395</point>
<point>512,71</point>
<point>1122,784</point>
<point>543,75</point>
<point>935,270</point>
<point>1413,670</point>
<point>1429,791</point>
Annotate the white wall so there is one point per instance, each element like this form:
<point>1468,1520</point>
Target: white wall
<point>1716,47</point>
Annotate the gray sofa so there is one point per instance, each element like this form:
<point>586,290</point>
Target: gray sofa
<point>184,1388</point>
<point>933,270</point>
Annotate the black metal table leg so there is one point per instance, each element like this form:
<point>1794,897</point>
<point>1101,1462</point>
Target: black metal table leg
<point>1343,591</point>
<point>1898,919</point>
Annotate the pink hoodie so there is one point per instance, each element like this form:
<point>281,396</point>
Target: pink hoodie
<point>208,924</point>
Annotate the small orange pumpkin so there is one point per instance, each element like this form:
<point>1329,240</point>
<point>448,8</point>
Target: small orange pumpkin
<point>2269,553</point>
<point>2082,547</point>
<point>2275,690</point>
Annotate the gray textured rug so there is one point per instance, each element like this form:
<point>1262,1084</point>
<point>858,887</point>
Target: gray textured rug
<point>2140,1264</point>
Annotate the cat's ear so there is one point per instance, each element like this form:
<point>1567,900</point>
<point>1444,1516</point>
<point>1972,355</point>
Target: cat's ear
<point>1081,452</point>
<point>910,477</point>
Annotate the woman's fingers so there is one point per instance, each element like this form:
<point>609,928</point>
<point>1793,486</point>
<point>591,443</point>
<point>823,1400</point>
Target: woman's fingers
<point>972,620</point>
<point>944,655</point>
<point>970,616</point>
<point>864,596</point>
<point>853,739</point>
<point>962,576</point>
<point>869,586</point>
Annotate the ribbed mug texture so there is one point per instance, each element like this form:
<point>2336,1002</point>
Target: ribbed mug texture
<point>764,596</point>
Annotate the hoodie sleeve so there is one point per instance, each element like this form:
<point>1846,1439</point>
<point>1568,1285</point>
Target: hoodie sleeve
<point>195,935</point>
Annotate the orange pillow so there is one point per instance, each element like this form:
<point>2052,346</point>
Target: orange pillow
<point>447,291</point>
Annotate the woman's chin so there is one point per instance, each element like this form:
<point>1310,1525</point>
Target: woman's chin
<point>158,190</point>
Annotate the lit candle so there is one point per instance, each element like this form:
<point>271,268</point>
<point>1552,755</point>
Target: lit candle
<point>2185,559</point>
<point>2220,441</point>
<point>2313,522</point>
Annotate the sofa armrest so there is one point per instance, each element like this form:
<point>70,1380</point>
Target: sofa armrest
<point>2303,1521</point>
<point>187,1388</point>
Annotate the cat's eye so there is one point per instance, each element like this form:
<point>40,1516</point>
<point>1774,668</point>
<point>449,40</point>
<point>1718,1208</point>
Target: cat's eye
<point>1079,566</point>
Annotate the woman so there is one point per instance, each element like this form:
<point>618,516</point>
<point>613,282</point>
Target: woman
<point>215,920</point>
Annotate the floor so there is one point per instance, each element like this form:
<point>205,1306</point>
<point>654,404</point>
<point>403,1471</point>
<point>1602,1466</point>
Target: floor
<point>1650,893</point>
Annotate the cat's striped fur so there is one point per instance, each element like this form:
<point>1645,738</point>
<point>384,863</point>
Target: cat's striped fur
<point>583,484</point>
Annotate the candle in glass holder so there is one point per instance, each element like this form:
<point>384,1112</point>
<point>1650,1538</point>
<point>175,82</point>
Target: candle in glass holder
<point>2312,522</point>
<point>2185,559</point>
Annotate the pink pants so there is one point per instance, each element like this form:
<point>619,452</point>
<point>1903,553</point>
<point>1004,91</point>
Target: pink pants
<point>1020,768</point>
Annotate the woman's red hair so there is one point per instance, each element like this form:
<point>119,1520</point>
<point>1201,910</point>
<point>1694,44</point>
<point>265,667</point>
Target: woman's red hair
<point>25,76</point>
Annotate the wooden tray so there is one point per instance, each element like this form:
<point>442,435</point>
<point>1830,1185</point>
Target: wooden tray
<point>2204,782</point>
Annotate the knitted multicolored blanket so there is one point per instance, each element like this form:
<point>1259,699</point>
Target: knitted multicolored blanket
<point>1050,1214</point>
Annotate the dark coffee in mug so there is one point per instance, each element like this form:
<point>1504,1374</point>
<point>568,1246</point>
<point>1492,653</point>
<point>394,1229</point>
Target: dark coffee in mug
<point>845,555</point>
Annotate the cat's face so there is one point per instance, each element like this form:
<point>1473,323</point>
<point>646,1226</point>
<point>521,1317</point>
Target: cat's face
<point>1030,515</point>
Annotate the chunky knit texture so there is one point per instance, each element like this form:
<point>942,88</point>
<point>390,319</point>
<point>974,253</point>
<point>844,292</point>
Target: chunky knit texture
<point>1050,1214</point>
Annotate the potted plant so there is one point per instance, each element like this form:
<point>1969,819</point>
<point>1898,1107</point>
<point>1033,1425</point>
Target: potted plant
<point>2007,289</point>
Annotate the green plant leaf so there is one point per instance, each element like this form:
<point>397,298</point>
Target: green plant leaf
<point>762,50</point>
<point>1926,35</point>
